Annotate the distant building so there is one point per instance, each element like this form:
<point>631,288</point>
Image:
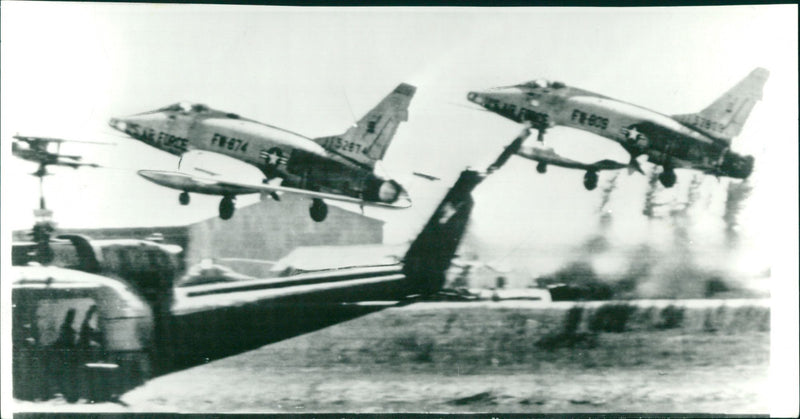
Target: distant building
<point>257,236</point>
<point>315,258</point>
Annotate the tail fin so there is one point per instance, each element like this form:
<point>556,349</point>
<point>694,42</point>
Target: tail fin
<point>428,258</point>
<point>367,141</point>
<point>725,117</point>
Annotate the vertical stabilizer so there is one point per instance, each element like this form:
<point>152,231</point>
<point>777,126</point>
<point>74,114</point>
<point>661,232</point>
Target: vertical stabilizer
<point>725,117</point>
<point>428,258</point>
<point>368,140</point>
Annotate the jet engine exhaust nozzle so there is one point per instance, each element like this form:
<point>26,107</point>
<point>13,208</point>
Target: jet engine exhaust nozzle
<point>736,165</point>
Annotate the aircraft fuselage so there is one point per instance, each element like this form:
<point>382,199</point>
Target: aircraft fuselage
<point>640,131</point>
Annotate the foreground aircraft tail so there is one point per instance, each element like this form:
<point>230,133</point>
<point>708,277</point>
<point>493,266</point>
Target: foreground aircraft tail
<point>428,258</point>
<point>725,117</point>
<point>367,141</point>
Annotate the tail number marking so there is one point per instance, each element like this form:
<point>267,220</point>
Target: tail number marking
<point>337,143</point>
<point>707,124</point>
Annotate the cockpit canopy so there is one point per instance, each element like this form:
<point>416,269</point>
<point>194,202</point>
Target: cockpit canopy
<point>542,83</point>
<point>185,107</point>
<point>192,108</point>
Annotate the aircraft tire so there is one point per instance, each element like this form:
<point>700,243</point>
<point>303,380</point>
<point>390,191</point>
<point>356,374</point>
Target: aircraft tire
<point>541,167</point>
<point>590,180</point>
<point>318,210</point>
<point>667,178</point>
<point>226,208</point>
<point>184,198</point>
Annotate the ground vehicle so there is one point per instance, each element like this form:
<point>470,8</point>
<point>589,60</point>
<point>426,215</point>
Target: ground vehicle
<point>112,345</point>
<point>120,291</point>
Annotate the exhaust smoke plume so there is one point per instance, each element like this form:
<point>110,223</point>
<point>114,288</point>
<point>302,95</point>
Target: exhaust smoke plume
<point>605,215</point>
<point>673,270</point>
<point>657,268</point>
<point>736,195</point>
<point>650,204</point>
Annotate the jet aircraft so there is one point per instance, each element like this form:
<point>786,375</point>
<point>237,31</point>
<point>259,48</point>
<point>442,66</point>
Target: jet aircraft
<point>37,150</point>
<point>700,141</point>
<point>338,167</point>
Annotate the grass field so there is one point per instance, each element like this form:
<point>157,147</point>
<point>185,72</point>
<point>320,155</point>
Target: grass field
<point>481,339</point>
<point>689,356</point>
<point>611,358</point>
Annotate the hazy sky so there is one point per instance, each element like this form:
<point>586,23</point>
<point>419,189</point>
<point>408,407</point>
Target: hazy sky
<point>67,68</point>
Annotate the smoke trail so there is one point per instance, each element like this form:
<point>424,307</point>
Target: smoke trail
<point>598,242</point>
<point>693,196</point>
<point>679,215</point>
<point>606,192</point>
<point>650,195</point>
<point>675,268</point>
<point>737,193</point>
<point>676,271</point>
<point>605,215</point>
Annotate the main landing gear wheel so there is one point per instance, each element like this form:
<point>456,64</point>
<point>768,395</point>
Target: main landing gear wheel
<point>318,210</point>
<point>667,178</point>
<point>184,198</point>
<point>226,208</point>
<point>590,180</point>
<point>541,167</point>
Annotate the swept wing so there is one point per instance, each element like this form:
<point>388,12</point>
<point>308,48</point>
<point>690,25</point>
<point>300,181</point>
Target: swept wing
<point>219,186</point>
<point>548,156</point>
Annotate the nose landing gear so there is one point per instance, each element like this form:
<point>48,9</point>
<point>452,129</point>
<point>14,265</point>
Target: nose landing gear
<point>540,135</point>
<point>184,198</point>
<point>541,125</point>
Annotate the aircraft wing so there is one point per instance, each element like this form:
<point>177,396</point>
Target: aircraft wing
<point>548,156</point>
<point>29,139</point>
<point>211,186</point>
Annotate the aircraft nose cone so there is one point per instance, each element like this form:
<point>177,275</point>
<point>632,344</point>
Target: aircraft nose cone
<point>118,124</point>
<point>476,97</point>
